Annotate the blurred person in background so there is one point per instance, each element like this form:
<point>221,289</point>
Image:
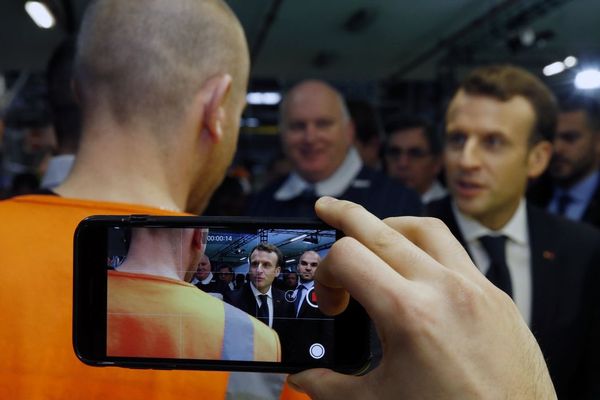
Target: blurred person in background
<point>318,135</point>
<point>413,155</point>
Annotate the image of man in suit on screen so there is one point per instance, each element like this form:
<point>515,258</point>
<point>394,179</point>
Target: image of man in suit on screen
<point>259,297</point>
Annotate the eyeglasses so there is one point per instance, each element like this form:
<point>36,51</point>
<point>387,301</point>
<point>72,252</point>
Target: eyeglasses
<point>413,153</point>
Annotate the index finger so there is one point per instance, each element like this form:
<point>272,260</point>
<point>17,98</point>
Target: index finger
<point>384,241</point>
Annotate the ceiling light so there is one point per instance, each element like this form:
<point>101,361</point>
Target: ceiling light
<point>554,68</point>
<point>263,98</point>
<point>298,238</point>
<point>588,79</point>
<point>40,14</point>
<point>570,61</point>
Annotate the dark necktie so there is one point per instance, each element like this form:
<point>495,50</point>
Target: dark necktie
<point>263,310</point>
<point>297,303</point>
<point>498,273</point>
<point>564,200</point>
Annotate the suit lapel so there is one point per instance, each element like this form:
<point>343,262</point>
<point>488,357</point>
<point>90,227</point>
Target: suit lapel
<point>545,271</point>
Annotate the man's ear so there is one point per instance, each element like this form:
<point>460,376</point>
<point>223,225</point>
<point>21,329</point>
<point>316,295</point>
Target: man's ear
<point>277,271</point>
<point>215,93</point>
<point>539,158</point>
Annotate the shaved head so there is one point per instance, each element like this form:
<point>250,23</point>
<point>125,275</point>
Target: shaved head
<point>312,86</point>
<point>143,61</point>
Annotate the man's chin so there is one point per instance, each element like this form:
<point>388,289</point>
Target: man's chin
<point>470,206</point>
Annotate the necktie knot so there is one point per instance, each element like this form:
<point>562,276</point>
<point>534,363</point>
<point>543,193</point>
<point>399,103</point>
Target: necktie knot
<point>495,247</point>
<point>498,273</point>
<point>263,309</point>
<point>563,202</point>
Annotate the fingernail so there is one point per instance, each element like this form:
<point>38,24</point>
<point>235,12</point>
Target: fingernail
<point>327,200</point>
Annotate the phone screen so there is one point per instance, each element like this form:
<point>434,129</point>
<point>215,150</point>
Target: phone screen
<point>206,294</point>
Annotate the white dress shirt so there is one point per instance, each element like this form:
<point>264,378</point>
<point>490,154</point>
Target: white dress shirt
<point>256,292</point>
<point>435,192</point>
<point>204,281</point>
<point>518,252</point>
<point>334,186</point>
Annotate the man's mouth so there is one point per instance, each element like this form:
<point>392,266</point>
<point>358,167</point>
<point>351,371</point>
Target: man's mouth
<point>468,188</point>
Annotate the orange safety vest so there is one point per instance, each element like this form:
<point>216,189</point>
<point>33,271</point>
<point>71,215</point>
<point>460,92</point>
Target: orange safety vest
<point>154,316</point>
<point>37,360</point>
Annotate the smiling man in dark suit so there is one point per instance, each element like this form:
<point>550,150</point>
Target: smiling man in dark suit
<point>498,127</point>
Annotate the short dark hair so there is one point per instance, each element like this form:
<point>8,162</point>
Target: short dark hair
<point>587,104</point>
<point>269,248</point>
<point>404,122</point>
<point>503,82</point>
<point>228,267</point>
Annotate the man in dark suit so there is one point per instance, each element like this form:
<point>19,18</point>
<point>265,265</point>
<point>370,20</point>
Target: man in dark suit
<point>259,297</point>
<point>317,135</point>
<point>498,127</point>
<point>574,184</point>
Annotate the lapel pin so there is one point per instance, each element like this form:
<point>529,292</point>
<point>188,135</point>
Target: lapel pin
<point>548,255</point>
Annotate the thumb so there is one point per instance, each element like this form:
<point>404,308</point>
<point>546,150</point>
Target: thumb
<point>323,384</point>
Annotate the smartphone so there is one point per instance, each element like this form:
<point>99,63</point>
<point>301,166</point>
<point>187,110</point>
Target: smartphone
<point>209,293</point>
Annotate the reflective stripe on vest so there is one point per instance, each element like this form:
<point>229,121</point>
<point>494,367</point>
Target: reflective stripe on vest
<point>238,335</point>
<point>254,386</point>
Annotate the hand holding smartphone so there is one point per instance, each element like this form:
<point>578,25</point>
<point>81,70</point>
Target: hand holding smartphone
<point>143,298</point>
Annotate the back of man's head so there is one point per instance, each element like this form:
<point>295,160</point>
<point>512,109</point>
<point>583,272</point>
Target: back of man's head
<point>503,82</point>
<point>140,62</point>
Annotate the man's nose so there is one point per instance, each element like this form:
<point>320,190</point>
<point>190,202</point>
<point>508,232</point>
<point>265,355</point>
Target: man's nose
<point>470,154</point>
<point>403,159</point>
<point>311,132</point>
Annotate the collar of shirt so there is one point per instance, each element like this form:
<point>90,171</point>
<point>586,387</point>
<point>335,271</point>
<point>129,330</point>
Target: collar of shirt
<point>57,170</point>
<point>518,253</point>
<point>435,192</point>
<point>256,292</point>
<point>515,230</point>
<point>582,191</point>
<point>335,185</point>
<point>207,280</point>
<point>308,285</point>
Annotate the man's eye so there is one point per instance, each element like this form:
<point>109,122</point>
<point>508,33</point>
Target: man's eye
<point>493,141</point>
<point>323,123</point>
<point>569,137</point>
<point>456,139</point>
<point>296,126</point>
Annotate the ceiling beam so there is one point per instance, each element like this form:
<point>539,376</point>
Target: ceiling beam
<point>501,18</point>
<point>264,29</point>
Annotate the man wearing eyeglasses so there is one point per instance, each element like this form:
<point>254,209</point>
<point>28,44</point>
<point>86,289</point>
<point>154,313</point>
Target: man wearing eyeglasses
<point>413,156</point>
